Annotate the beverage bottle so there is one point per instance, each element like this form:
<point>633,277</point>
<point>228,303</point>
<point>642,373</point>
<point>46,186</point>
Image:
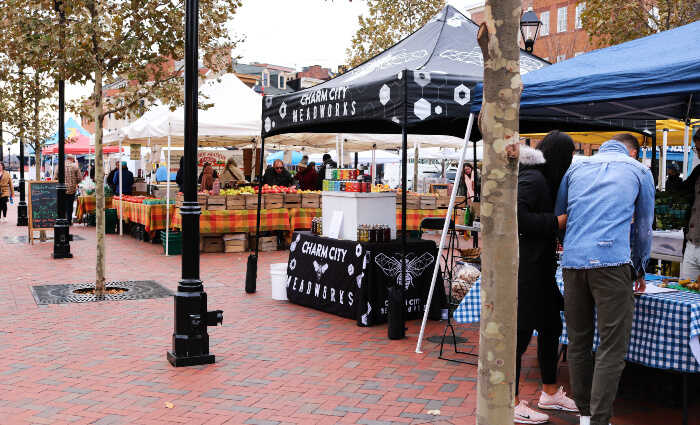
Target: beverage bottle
<point>216,189</point>
<point>387,233</point>
<point>467,216</point>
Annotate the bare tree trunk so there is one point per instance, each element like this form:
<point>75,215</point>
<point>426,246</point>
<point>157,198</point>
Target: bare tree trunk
<point>99,187</point>
<point>498,38</point>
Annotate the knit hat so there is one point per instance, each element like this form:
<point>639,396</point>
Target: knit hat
<point>304,162</point>
<point>70,156</point>
<point>326,157</point>
<point>674,167</point>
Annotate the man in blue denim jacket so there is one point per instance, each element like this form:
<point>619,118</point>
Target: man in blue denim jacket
<point>601,194</point>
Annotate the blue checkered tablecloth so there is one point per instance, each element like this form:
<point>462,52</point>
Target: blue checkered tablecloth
<point>664,328</point>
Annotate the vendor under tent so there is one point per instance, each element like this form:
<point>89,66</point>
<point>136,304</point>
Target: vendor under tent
<point>421,85</point>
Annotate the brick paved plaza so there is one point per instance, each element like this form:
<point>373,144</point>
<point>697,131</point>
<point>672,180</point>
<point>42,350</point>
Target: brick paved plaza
<point>277,363</point>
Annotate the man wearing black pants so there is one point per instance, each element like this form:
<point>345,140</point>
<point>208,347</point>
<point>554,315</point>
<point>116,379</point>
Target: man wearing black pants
<point>602,194</point>
<point>73,178</point>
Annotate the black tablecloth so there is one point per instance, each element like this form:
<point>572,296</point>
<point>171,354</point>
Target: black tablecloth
<point>350,279</point>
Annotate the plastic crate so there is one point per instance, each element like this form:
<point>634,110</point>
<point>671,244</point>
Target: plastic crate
<point>657,386</point>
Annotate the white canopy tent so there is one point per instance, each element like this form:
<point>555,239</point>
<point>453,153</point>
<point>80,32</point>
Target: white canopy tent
<point>447,153</point>
<point>364,157</point>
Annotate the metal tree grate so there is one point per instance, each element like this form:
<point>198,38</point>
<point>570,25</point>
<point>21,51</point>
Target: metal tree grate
<point>135,290</point>
<point>25,239</point>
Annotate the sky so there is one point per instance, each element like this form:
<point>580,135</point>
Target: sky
<point>294,33</point>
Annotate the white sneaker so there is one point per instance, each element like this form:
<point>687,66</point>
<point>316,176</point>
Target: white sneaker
<point>524,415</point>
<point>558,401</point>
<point>585,420</point>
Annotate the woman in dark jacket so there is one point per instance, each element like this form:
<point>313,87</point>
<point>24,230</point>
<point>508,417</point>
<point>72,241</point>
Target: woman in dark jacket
<point>539,299</point>
<point>180,176</point>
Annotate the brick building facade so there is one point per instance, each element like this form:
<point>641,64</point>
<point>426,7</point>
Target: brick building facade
<point>560,37</point>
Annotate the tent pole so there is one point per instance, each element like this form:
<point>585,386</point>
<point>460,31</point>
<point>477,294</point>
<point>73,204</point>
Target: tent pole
<point>374,163</point>
<point>686,144</point>
<point>476,192</point>
<point>653,159</point>
<point>415,165</point>
<point>445,229</point>
<point>252,271</point>
<point>167,198</point>
<point>121,200</point>
<point>662,156</point>
<point>337,151</point>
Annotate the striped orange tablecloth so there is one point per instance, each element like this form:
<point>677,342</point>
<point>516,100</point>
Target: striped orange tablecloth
<point>153,217</point>
<point>239,221</point>
<point>414,217</point>
<point>87,205</point>
<point>300,218</point>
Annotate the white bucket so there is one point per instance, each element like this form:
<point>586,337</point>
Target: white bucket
<point>278,278</point>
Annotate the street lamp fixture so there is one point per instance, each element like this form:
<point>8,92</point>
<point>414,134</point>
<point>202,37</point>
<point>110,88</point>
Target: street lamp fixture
<point>529,27</point>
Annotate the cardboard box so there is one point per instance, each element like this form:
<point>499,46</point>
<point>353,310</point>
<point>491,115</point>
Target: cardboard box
<point>236,202</point>
<point>216,200</point>
<point>476,209</point>
<point>427,202</point>
<point>216,207</point>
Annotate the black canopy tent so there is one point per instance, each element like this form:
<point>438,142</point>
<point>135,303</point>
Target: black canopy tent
<point>421,85</point>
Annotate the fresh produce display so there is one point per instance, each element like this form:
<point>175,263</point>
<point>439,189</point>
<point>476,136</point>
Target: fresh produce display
<point>683,285</point>
<point>670,208</point>
<point>245,190</point>
<point>128,198</point>
<point>276,189</point>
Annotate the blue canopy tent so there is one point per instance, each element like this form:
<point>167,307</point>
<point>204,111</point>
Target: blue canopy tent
<point>296,157</point>
<point>628,86</point>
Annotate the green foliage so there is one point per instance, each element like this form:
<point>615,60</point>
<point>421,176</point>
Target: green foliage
<point>610,22</point>
<point>388,22</point>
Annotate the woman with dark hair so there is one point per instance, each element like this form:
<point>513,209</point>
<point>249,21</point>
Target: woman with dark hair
<point>466,182</point>
<point>180,176</point>
<point>539,299</point>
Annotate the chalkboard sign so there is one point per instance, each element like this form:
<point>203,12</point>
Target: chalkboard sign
<point>42,205</point>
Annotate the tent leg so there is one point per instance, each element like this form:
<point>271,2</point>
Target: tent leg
<point>121,200</point>
<point>686,144</point>
<point>167,200</point>
<point>251,276</point>
<point>662,157</point>
<point>396,307</point>
<point>445,229</point>
<point>374,163</point>
<point>653,160</point>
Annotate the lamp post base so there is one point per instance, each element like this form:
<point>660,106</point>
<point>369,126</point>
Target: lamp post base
<point>61,240</point>
<point>180,361</point>
<point>22,219</point>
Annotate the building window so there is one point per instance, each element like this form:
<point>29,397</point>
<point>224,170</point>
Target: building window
<point>561,58</point>
<point>281,82</point>
<point>266,79</point>
<point>579,10</point>
<point>544,17</point>
<point>561,19</point>
<point>578,54</point>
<point>546,59</point>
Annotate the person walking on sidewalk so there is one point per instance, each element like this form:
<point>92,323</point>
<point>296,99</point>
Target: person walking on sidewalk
<point>7,191</point>
<point>601,195</point>
<point>539,300</point>
<point>73,176</point>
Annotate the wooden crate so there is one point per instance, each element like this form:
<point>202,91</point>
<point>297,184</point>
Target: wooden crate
<point>311,200</point>
<point>217,200</point>
<point>412,202</point>
<point>267,243</point>
<point>235,245</point>
<point>202,199</point>
<point>427,202</point>
<point>213,244</point>
<point>251,202</point>
<point>236,202</point>
<point>216,207</point>
<point>273,200</point>
<point>292,200</point>
<point>442,202</point>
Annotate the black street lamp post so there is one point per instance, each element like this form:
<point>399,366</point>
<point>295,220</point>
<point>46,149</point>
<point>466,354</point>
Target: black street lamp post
<point>190,338</point>
<point>61,240</point>
<point>529,20</point>
<point>22,204</point>
<point>1,143</point>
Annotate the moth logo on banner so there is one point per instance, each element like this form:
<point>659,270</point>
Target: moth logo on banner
<point>392,267</point>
